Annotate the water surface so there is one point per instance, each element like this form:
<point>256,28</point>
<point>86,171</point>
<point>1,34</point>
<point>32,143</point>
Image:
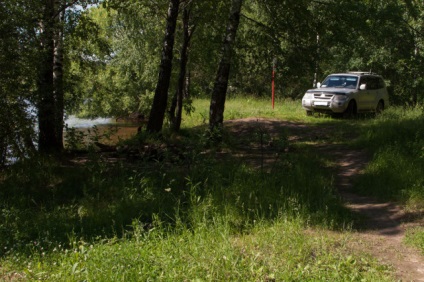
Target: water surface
<point>108,130</point>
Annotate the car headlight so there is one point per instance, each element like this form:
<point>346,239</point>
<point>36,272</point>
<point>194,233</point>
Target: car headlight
<point>340,98</point>
<point>308,96</point>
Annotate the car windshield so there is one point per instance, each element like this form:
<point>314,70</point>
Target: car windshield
<point>340,81</point>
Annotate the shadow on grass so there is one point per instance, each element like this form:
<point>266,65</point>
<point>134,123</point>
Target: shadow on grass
<point>264,170</point>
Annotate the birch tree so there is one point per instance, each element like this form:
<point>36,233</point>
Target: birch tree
<point>157,112</point>
<point>216,114</point>
<point>176,108</point>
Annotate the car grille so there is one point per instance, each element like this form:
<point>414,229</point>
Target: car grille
<point>323,96</point>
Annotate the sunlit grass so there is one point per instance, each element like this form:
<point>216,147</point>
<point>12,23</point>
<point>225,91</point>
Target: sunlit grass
<point>281,250</point>
<point>243,107</point>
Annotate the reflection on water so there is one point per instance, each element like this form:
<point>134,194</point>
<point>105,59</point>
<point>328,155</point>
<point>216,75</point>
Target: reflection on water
<point>109,131</point>
<point>73,121</point>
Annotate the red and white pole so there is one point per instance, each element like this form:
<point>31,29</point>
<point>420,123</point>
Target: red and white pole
<point>274,64</point>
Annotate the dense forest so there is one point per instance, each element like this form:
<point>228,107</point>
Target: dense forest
<point>116,58</point>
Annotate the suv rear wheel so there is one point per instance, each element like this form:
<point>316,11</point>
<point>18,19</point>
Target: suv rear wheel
<point>380,107</point>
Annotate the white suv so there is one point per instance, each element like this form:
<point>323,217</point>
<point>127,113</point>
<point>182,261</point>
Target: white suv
<point>348,94</point>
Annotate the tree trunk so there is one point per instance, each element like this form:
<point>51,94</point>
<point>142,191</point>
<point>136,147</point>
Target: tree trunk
<point>176,109</point>
<point>216,114</point>
<point>58,74</point>
<point>187,86</point>
<point>46,101</point>
<point>50,82</point>
<point>160,100</point>
<point>3,148</point>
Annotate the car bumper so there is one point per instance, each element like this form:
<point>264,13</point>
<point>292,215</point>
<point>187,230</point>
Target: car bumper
<point>330,106</point>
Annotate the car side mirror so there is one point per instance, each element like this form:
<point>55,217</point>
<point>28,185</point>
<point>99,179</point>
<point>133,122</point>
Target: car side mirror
<point>319,85</point>
<point>363,87</point>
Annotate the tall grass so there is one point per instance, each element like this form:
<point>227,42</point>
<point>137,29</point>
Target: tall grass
<point>194,218</point>
<point>396,139</point>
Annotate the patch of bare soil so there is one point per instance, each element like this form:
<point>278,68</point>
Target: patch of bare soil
<point>384,225</point>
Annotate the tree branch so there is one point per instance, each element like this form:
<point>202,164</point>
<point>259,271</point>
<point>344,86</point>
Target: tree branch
<point>269,31</point>
<point>63,8</point>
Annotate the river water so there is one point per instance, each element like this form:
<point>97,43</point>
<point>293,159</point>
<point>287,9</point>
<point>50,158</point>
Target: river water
<point>108,129</point>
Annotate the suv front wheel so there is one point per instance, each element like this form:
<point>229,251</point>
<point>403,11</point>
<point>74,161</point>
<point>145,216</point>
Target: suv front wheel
<point>351,109</point>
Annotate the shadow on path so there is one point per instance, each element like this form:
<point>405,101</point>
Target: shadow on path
<point>382,229</point>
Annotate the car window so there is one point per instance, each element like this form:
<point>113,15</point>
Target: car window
<point>381,83</point>
<point>351,82</point>
<point>372,83</point>
<point>364,80</point>
<point>342,81</point>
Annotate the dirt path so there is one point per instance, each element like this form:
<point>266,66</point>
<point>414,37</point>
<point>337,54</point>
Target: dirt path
<point>384,223</point>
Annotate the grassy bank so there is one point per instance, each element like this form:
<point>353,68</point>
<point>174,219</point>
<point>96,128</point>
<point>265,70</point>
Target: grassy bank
<point>194,217</point>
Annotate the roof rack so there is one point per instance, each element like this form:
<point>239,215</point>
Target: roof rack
<point>361,72</point>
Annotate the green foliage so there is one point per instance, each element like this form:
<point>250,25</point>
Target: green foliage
<point>21,62</point>
<point>276,30</point>
<point>18,68</point>
<point>120,79</point>
<point>85,139</point>
<point>74,139</point>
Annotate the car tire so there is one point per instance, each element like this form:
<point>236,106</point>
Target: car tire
<point>309,113</point>
<point>337,115</point>
<point>380,107</point>
<point>351,110</point>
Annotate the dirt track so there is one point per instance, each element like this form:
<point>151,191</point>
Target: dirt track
<point>385,222</point>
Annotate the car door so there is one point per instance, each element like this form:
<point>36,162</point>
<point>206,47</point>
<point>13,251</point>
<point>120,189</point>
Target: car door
<point>372,91</point>
<point>372,95</point>
<point>368,97</point>
<point>363,95</point>
<point>381,93</point>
